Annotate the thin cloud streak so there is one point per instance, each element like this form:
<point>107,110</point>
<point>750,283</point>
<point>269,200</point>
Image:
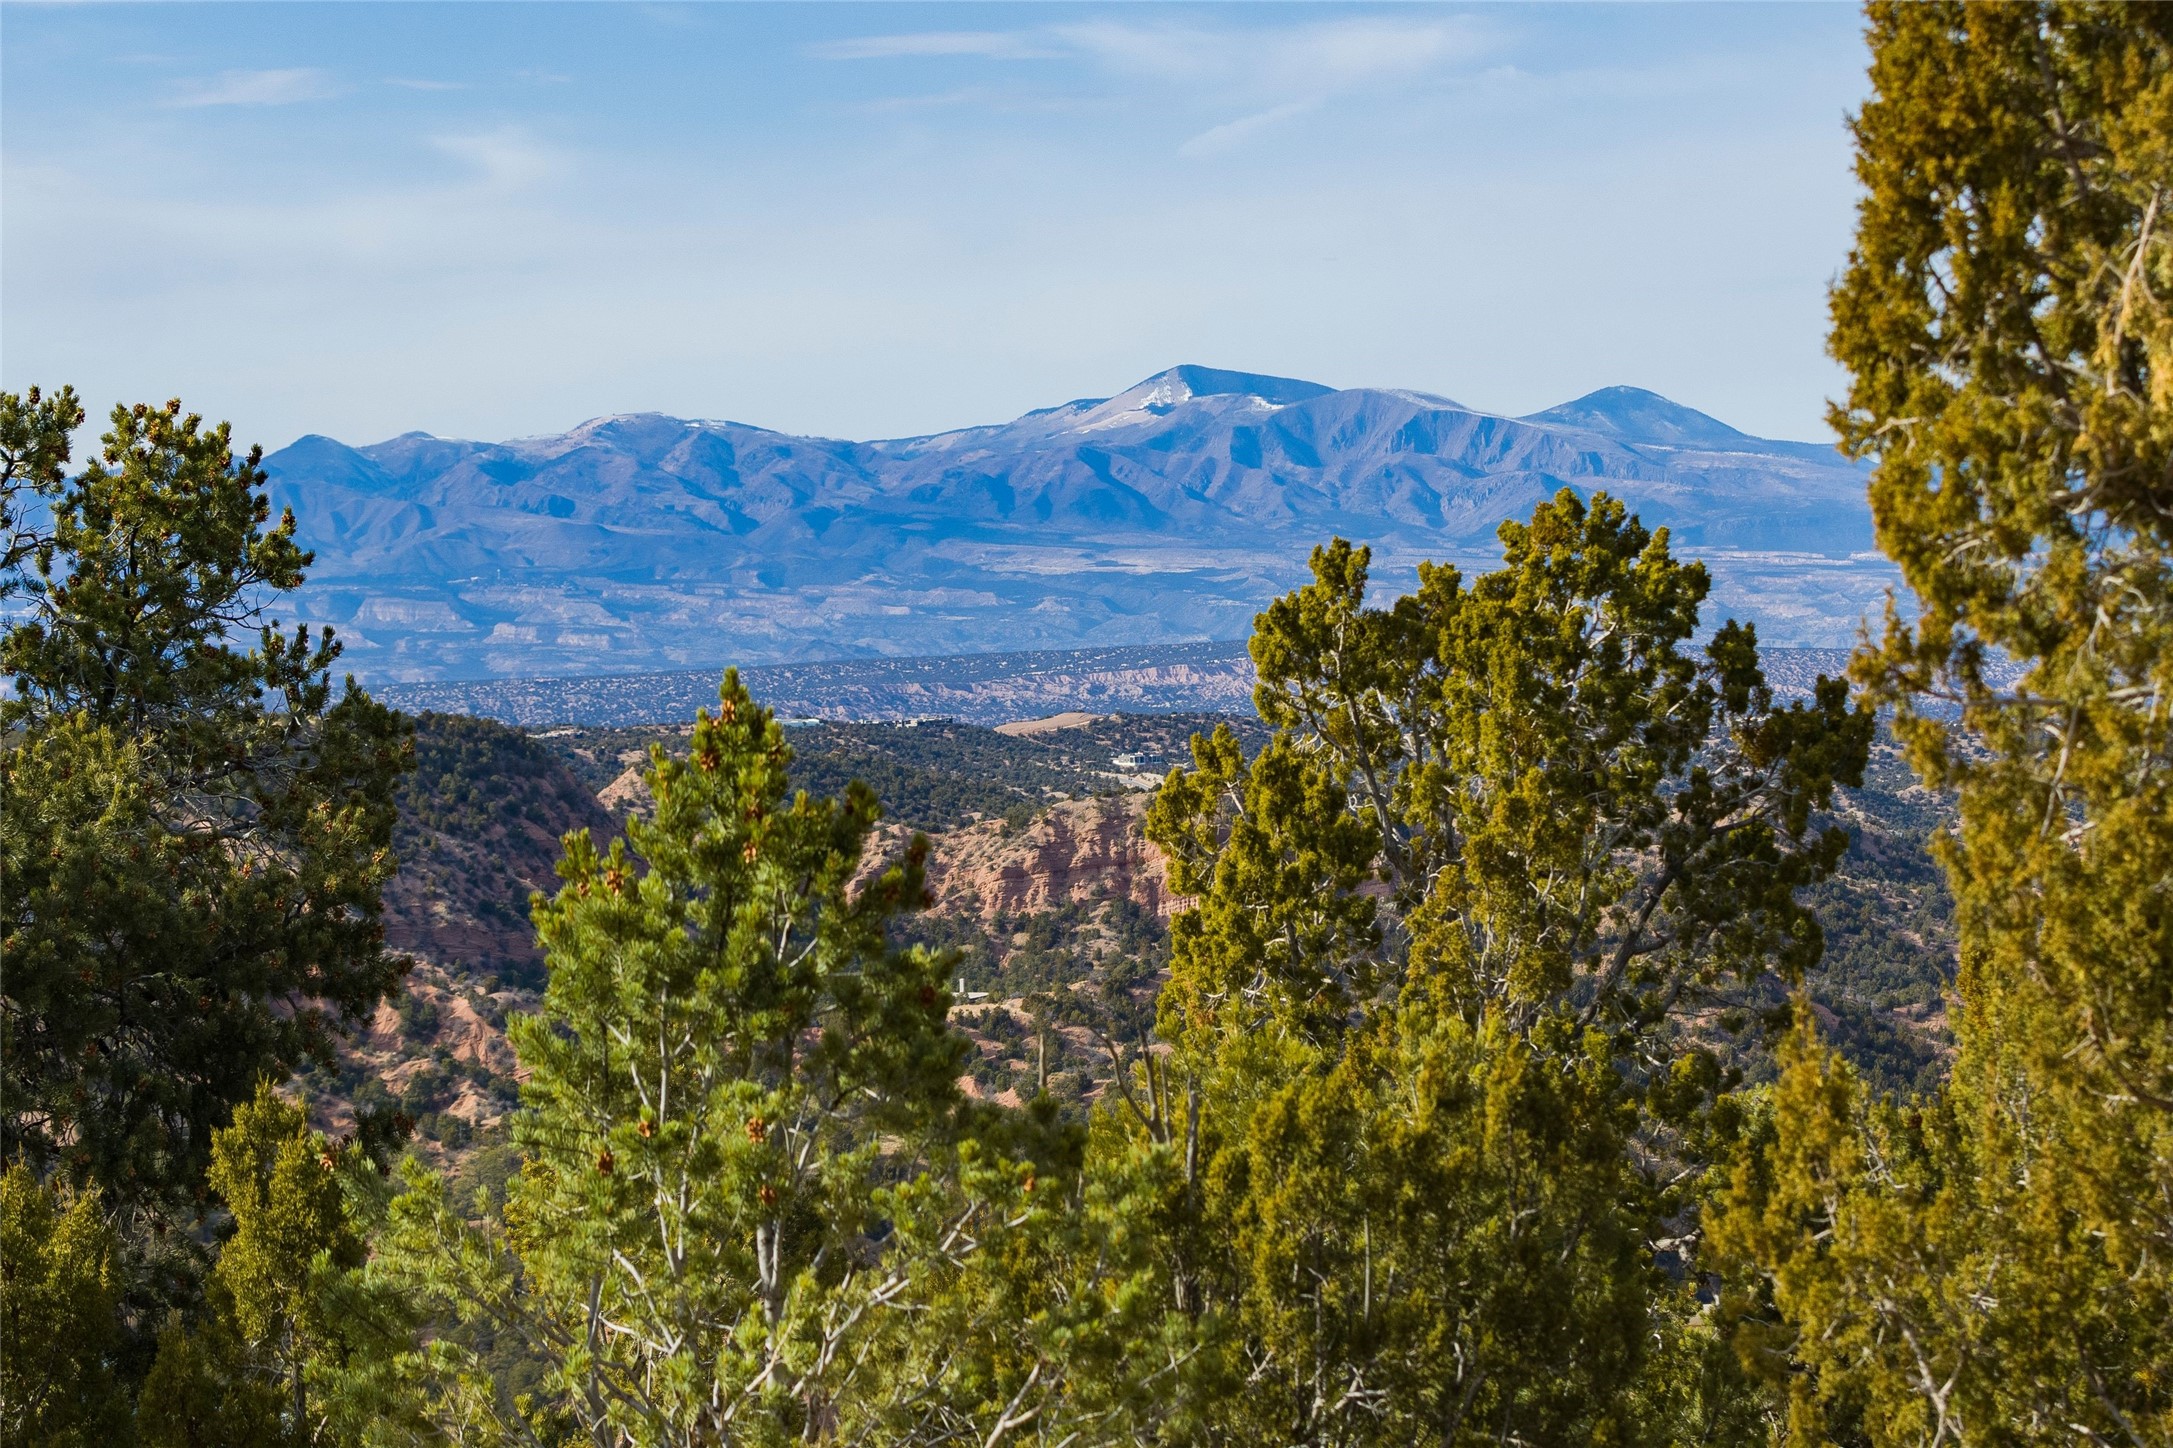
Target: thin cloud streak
<point>256,88</point>
<point>1277,72</point>
<point>1232,134</point>
<point>1320,56</point>
<point>509,158</point>
<point>984,44</point>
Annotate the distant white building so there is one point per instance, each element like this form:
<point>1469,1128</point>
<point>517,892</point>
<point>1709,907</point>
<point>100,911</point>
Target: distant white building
<point>1136,761</point>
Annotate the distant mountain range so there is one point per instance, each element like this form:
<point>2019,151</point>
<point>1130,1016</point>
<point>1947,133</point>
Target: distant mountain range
<point>1170,512</point>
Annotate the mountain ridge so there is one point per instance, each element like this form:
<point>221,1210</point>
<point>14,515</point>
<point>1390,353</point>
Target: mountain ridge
<point>1171,510</point>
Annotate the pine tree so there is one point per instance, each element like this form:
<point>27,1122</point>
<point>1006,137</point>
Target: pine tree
<point>741,1128</point>
<point>1993,1266</point>
<point>195,831</point>
<point>34,452</point>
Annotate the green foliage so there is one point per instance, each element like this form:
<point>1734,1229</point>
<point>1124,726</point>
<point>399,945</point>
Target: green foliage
<point>291,1345</point>
<point>1445,1133</point>
<point>202,1391</point>
<point>477,778</point>
<point>58,1329</point>
<point>157,549</point>
<point>1992,1267</point>
<point>932,774</point>
<point>920,796</point>
<point>195,832</point>
<point>740,1128</point>
<point>1069,1323</point>
<point>1447,919</point>
<point>281,1185</point>
<point>33,468</point>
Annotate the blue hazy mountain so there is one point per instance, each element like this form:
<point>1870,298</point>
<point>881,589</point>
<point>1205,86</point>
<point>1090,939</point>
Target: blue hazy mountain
<point>1170,511</point>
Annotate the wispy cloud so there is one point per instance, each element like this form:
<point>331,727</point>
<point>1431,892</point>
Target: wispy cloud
<point>1232,134</point>
<point>986,44</point>
<point>1319,55</point>
<point>938,100</point>
<point>869,278</point>
<point>1270,74</point>
<point>509,158</point>
<point>407,83</point>
<point>1316,58</point>
<point>256,88</point>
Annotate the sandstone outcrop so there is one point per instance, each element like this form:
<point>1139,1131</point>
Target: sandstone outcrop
<point>1079,850</point>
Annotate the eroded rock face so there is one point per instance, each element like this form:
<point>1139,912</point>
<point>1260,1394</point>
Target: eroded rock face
<point>445,1034</point>
<point>629,793</point>
<point>1083,849</point>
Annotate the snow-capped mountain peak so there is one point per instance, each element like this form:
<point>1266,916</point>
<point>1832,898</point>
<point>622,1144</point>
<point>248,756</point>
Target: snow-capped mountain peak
<point>1175,508</point>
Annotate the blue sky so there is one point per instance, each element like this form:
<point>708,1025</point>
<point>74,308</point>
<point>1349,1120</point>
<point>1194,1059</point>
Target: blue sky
<point>492,220</point>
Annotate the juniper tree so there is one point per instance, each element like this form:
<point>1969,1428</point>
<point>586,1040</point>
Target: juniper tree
<point>285,1339</point>
<point>1428,1010</point>
<point>1992,1266</point>
<point>59,1336</point>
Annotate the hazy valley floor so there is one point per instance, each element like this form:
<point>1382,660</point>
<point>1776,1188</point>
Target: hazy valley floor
<point>974,688</point>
